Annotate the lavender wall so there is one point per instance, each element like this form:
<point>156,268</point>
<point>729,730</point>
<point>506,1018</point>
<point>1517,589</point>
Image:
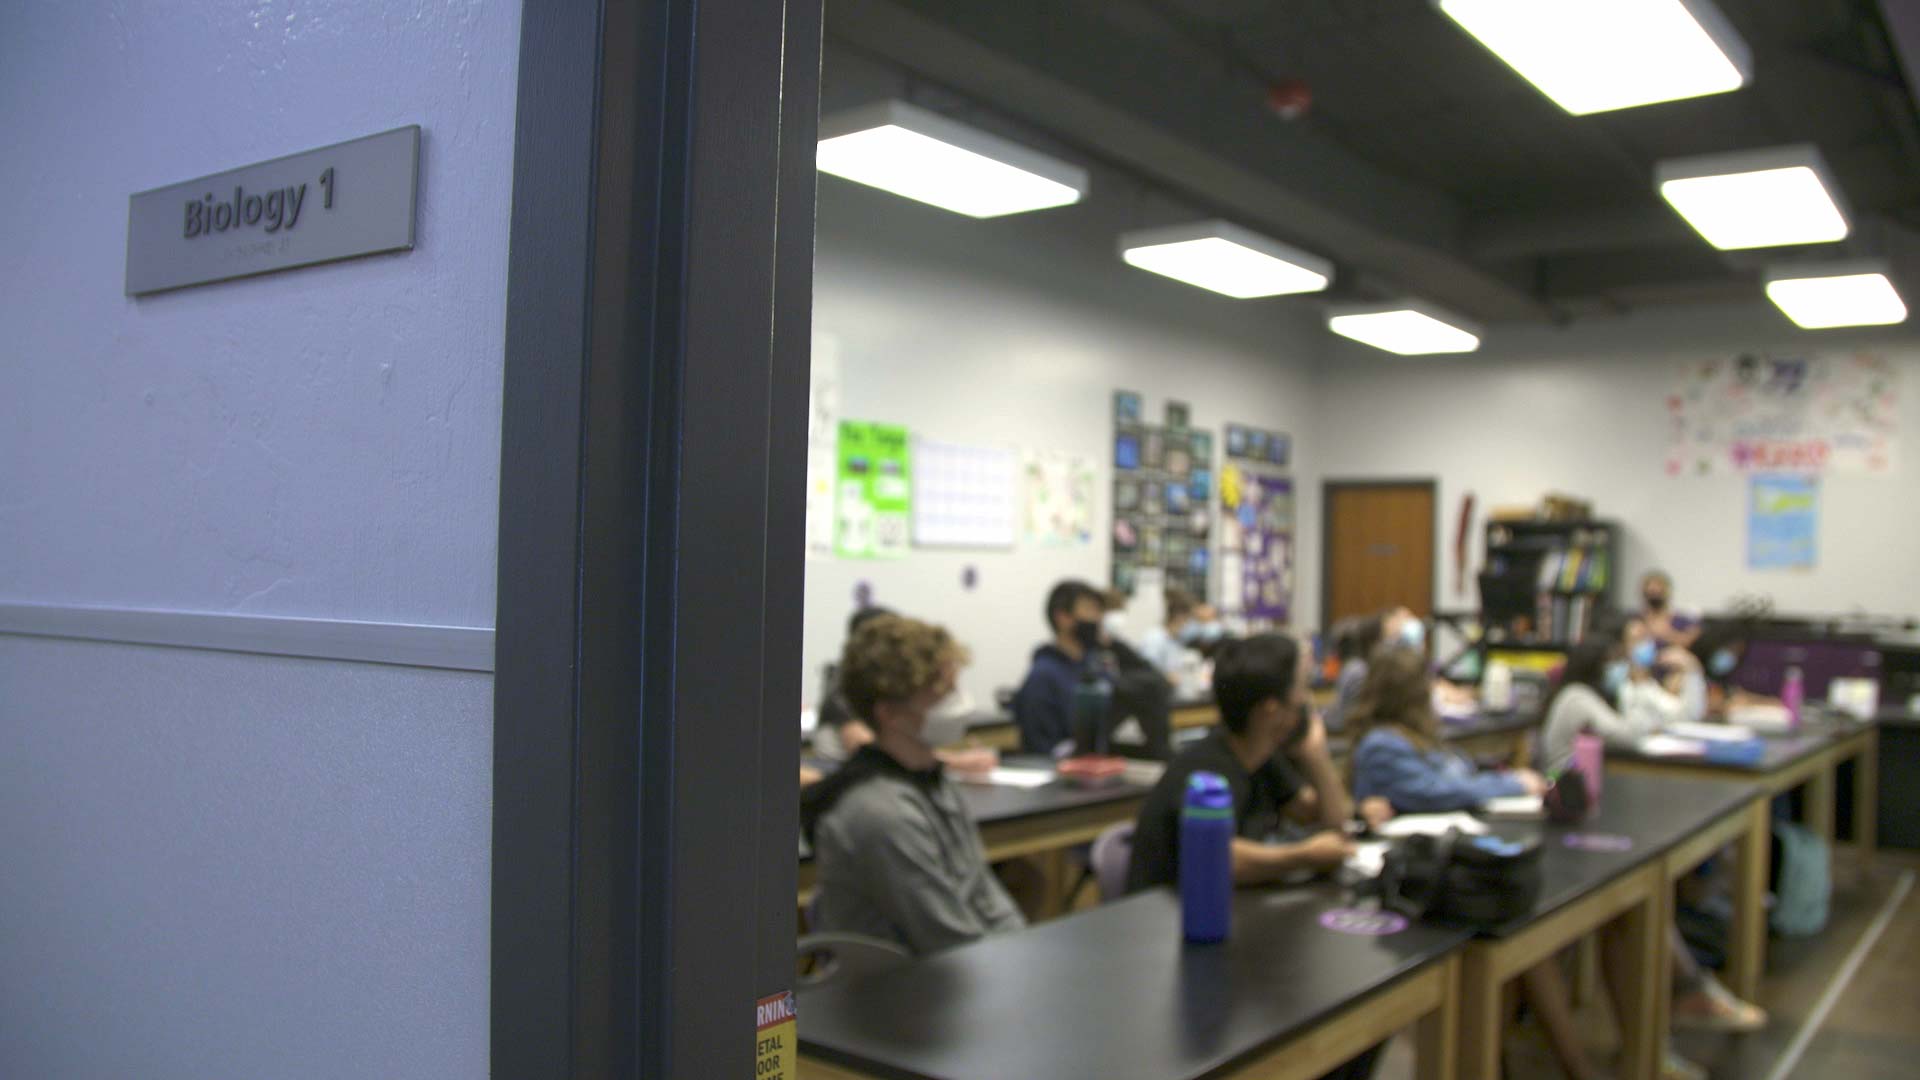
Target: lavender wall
<point>220,864</point>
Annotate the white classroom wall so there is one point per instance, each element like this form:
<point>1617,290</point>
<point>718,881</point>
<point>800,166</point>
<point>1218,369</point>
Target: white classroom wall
<point>1583,411</point>
<point>1014,334</point>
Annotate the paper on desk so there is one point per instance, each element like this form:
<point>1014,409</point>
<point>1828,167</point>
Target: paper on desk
<point>1021,778</point>
<point>1431,825</point>
<point>1516,806</point>
<point>1710,732</point>
<point>1368,858</point>
<point>1671,746</point>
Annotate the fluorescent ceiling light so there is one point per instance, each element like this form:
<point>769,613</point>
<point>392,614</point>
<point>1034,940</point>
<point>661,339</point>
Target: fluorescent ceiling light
<point>1227,259</point>
<point>1410,328</point>
<point>1762,198</point>
<point>1826,295</point>
<point>933,159</point>
<point>1593,56</point>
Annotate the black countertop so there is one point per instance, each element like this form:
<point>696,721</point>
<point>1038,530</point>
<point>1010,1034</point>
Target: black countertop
<point>1781,751</point>
<point>1113,993</point>
<point>1656,813</point>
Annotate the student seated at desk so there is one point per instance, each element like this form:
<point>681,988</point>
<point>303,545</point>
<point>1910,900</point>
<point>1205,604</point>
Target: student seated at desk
<point>840,732</point>
<point>1082,651</point>
<point>899,858</point>
<point>1272,751</point>
<point>1174,646</point>
<point>1400,758</point>
<point>1722,652</point>
<point>1606,670</point>
<point>1609,688</point>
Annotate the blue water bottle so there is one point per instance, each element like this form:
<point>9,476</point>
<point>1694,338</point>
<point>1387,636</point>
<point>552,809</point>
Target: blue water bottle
<point>1206,858</point>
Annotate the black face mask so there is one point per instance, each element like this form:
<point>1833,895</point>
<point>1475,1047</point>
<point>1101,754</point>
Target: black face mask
<point>1656,602</point>
<point>1087,634</point>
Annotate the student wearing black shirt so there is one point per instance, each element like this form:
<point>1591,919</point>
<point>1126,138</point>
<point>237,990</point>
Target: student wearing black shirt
<point>1272,751</point>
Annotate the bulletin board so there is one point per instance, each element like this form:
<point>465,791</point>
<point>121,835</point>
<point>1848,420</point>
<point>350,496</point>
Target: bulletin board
<point>1256,539</point>
<point>1163,506</point>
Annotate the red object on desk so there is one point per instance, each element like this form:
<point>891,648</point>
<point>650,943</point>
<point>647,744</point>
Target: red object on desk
<point>1092,770</point>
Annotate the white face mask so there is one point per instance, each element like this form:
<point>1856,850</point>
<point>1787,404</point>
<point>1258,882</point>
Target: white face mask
<point>1114,623</point>
<point>947,720</point>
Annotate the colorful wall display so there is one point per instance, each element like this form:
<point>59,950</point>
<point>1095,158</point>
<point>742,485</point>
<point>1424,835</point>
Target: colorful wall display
<point>873,503</point>
<point>1787,412</point>
<point>1162,498</point>
<point>1256,542</point>
<point>1783,522</point>
<point>1263,447</point>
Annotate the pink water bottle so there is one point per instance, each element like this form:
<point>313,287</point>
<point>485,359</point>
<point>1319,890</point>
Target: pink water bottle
<point>1793,692</point>
<point>1589,760</point>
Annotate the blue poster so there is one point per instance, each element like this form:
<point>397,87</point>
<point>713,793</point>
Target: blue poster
<point>1783,522</point>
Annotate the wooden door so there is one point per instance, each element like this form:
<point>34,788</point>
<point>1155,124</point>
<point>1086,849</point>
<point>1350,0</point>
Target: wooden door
<point>1379,548</point>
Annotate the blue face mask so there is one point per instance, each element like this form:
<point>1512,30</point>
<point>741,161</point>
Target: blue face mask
<point>1616,677</point>
<point>1413,633</point>
<point>1645,653</point>
<point>1723,663</point>
<point>1212,631</point>
<point>1191,632</point>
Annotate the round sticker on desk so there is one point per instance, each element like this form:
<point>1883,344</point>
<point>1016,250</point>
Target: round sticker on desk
<point>1362,922</point>
<point>1598,841</point>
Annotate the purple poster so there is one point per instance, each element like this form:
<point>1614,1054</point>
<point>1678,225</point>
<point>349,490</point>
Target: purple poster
<point>1257,542</point>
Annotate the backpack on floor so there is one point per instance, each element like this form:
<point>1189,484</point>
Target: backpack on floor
<point>1803,886</point>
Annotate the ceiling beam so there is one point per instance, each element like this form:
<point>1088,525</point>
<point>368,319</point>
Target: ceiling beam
<point>1532,233</point>
<point>1086,84</point>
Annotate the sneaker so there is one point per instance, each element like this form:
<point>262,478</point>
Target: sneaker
<point>1715,1008</point>
<point>1675,1067</point>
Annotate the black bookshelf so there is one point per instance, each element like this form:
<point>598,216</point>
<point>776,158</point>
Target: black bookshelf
<point>1546,583</point>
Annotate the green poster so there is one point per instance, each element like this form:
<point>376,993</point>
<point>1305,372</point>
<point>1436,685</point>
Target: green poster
<point>874,503</point>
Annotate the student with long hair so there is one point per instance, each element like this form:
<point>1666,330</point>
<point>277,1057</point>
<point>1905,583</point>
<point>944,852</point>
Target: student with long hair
<point>1399,757</point>
<point>1608,688</point>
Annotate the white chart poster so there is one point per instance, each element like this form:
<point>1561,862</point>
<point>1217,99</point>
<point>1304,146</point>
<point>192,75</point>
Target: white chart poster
<point>964,496</point>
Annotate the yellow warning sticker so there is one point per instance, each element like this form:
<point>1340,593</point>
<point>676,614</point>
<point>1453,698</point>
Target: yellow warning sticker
<point>776,1048</point>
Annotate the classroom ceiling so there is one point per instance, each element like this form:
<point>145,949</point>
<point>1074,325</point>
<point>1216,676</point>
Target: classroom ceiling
<point>1425,165</point>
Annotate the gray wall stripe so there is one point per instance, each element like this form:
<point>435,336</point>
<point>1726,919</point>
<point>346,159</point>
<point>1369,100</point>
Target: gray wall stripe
<point>457,648</point>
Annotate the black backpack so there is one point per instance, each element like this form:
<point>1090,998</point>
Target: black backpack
<point>1478,882</point>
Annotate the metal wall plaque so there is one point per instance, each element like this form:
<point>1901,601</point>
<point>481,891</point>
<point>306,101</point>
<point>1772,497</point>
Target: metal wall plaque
<point>351,198</point>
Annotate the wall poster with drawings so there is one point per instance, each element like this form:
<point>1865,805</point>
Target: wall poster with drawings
<point>1059,499</point>
<point>1785,412</point>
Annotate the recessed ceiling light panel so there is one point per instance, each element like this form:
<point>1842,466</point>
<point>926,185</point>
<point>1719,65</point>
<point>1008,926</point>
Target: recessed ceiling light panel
<point>934,159</point>
<point>1594,56</point>
<point>1756,199</point>
<point>1410,328</point>
<point>1227,259</point>
<point>1823,296</point>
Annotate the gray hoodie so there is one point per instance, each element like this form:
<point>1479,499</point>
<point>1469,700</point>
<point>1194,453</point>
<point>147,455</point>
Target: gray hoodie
<point>900,859</point>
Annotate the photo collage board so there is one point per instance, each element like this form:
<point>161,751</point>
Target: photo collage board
<point>1257,526</point>
<point>1163,487</point>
